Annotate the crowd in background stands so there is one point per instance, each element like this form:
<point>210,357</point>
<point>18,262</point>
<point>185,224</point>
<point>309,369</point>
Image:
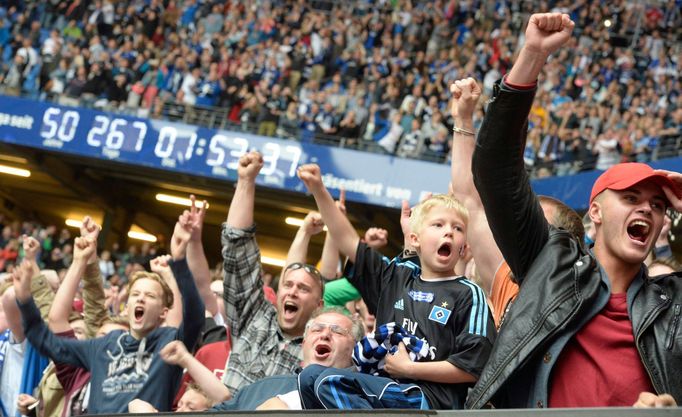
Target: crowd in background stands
<point>56,254</point>
<point>369,74</point>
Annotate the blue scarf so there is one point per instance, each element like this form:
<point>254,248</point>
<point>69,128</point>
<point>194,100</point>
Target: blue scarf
<point>370,353</point>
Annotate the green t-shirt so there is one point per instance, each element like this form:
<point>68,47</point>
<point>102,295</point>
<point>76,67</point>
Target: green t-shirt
<point>339,292</point>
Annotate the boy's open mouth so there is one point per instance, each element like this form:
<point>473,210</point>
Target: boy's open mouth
<point>445,249</point>
<point>139,312</point>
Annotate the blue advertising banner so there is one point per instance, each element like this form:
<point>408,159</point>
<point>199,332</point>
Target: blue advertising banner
<point>368,178</point>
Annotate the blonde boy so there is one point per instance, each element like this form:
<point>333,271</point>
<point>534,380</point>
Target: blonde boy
<point>431,303</point>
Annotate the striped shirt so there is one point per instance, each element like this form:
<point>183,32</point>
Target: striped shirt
<point>259,348</point>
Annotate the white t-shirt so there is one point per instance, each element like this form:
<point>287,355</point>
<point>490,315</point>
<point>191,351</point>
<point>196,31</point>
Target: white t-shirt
<point>11,374</point>
<point>292,400</point>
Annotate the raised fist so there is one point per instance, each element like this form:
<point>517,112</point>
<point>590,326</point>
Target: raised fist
<point>89,228</point>
<point>160,265</point>
<point>313,224</point>
<point>547,32</point>
<point>311,176</point>
<point>376,237</point>
<point>465,95</point>
<point>31,247</point>
<point>250,165</point>
<point>84,248</point>
<point>174,353</point>
<point>21,279</point>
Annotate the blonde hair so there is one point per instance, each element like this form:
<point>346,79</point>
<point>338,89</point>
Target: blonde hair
<point>167,296</point>
<point>421,210</point>
<point>193,386</point>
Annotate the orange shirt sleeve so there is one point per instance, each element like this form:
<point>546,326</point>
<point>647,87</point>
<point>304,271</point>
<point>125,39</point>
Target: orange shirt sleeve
<point>503,292</point>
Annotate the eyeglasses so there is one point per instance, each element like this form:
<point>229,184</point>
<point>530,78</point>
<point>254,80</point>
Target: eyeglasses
<point>307,268</point>
<point>318,327</point>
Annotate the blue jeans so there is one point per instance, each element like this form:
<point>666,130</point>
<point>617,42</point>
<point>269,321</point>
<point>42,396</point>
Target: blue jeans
<point>331,388</point>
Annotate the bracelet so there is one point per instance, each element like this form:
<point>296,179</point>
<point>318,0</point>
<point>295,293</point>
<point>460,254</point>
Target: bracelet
<point>463,131</point>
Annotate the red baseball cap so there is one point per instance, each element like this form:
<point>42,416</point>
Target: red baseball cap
<point>627,174</point>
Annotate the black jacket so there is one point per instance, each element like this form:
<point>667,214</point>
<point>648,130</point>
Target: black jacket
<point>562,284</point>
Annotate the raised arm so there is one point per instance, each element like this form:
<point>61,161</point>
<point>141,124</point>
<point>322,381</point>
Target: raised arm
<point>298,251</point>
<point>83,249</point>
<point>329,261</point>
<point>44,283</point>
<point>68,351</point>
<point>192,305</point>
<point>240,215</point>
<point>242,283</point>
<point>513,212</point>
<point>341,230</point>
<point>94,308</point>
<point>465,96</point>
<point>545,34</point>
<point>175,353</point>
<point>196,258</point>
<point>160,266</point>
<point>13,315</point>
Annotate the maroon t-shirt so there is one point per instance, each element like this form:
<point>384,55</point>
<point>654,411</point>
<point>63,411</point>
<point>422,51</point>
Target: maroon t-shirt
<point>72,378</point>
<point>600,365</point>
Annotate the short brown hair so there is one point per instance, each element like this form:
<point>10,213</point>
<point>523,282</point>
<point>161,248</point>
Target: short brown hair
<point>564,217</point>
<point>167,296</point>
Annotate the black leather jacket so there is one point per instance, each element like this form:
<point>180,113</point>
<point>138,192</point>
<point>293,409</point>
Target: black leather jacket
<point>562,284</point>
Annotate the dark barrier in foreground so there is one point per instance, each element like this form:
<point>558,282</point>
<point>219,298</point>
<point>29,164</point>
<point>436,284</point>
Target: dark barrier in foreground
<point>566,412</point>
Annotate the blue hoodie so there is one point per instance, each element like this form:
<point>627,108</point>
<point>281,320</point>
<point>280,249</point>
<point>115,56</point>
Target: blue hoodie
<point>123,368</point>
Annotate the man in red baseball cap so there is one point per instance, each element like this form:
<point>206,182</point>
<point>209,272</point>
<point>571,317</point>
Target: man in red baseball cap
<point>589,328</point>
<point>627,205</point>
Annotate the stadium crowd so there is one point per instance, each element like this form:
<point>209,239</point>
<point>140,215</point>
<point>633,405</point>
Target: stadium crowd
<point>500,296</point>
<point>371,75</point>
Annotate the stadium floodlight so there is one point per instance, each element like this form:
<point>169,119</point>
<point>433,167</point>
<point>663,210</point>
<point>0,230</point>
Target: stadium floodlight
<point>73,223</point>
<point>147,237</point>
<point>5,169</point>
<point>295,221</point>
<point>134,233</point>
<point>273,261</point>
<point>181,201</point>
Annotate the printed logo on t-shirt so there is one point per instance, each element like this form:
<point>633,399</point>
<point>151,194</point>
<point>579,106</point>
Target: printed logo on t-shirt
<point>399,305</point>
<point>439,314</point>
<point>219,373</point>
<point>127,371</point>
<point>421,297</point>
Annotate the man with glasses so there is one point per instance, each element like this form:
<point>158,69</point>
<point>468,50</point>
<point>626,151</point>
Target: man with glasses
<point>329,340</point>
<point>266,339</point>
